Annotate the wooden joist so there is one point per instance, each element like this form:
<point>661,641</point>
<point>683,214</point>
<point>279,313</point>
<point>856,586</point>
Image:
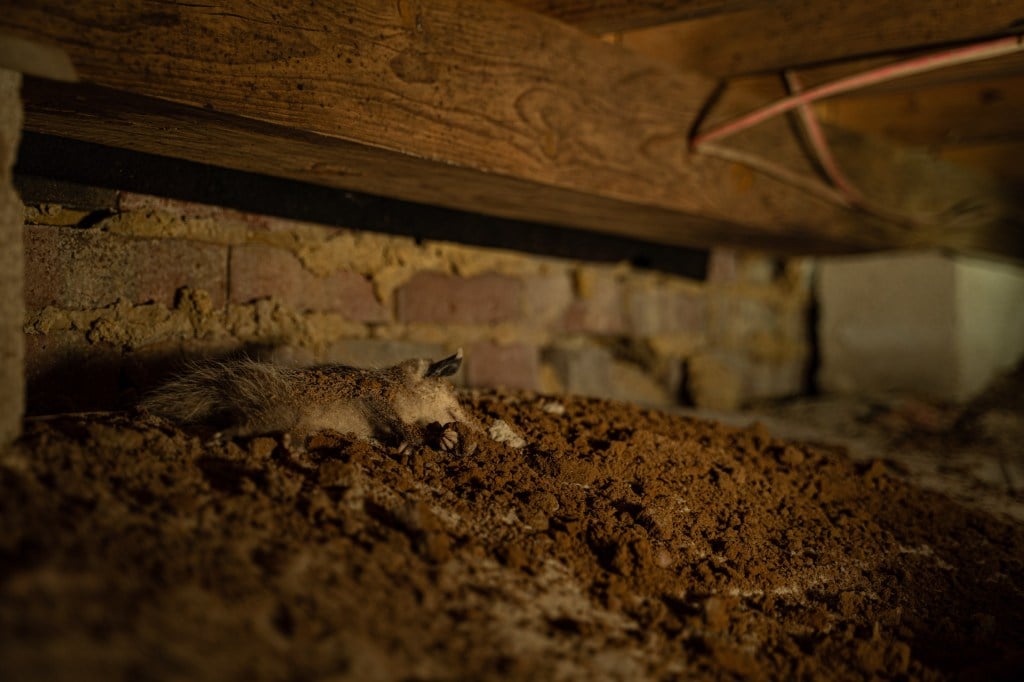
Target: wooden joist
<point>792,33</point>
<point>1006,66</point>
<point>977,112</point>
<point>607,16</point>
<point>477,106</point>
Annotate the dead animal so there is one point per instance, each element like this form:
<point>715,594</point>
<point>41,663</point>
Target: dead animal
<point>400,405</point>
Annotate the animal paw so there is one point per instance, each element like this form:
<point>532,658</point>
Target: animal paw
<point>448,440</point>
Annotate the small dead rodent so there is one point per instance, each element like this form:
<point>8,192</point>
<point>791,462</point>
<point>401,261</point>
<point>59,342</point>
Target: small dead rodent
<point>395,405</point>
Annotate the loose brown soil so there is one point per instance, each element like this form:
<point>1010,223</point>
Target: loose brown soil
<point>620,543</point>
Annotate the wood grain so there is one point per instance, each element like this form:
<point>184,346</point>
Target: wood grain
<point>607,16</point>
<point>799,33</point>
<point>116,119</point>
<point>478,106</point>
<point>1001,159</point>
<point>978,112</point>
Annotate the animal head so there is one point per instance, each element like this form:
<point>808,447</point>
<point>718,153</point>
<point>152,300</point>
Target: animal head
<point>419,369</point>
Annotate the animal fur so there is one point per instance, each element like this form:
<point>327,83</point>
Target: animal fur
<point>246,397</point>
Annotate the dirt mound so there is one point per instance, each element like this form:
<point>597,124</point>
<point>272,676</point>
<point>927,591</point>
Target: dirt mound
<point>619,543</point>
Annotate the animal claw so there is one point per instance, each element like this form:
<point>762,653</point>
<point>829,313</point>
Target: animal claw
<point>449,440</point>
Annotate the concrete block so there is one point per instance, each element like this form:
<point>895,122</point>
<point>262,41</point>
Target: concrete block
<point>923,323</point>
<point>12,305</point>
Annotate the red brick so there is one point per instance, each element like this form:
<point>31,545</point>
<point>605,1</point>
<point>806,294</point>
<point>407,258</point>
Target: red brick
<point>546,298</point>
<point>380,352</point>
<point>599,310</point>
<point>484,299</point>
<point>660,311</point>
<point>722,267</point>
<point>262,271</point>
<point>130,201</point>
<point>492,365</point>
<point>78,269</point>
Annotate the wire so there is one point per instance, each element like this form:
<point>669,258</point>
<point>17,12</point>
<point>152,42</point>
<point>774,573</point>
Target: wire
<point>819,145</point>
<point>844,193</point>
<point>849,194</point>
<point>909,67</point>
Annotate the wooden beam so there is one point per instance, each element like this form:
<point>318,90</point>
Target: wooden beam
<point>1005,67</point>
<point>792,33</point>
<point>608,16</point>
<point>34,59</point>
<point>1002,159</point>
<point>476,106</point>
<point>979,112</point>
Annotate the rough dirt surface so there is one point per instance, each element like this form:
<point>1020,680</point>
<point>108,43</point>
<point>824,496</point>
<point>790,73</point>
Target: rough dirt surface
<point>619,543</point>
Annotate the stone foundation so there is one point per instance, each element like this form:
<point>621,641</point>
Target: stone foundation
<point>119,295</point>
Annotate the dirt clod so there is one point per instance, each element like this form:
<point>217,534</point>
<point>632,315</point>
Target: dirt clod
<point>617,543</point>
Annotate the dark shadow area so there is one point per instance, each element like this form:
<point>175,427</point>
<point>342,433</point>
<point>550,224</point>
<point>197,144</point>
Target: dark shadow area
<point>99,378</point>
<point>101,170</point>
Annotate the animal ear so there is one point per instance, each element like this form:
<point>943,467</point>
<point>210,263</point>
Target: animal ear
<point>446,367</point>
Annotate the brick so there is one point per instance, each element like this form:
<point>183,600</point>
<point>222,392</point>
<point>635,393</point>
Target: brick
<point>737,321</point>
<point>715,380</point>
<point>380,352</point>
<point>664,311</point>
<point>546,298</point>
<point>629,382</point>
<point>288,355</point>
<point>782,378</point>
<point>582,371</point>
<point>74,268</point>
<point>483,299</point>
<point>724,380</point>
<point>722,266</point>
<point>599,307</point>
<point>259,271</point>
<point>508,366</point>
<point>756,268</point>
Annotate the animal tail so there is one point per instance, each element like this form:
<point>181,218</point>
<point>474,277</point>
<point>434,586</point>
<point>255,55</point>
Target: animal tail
<point>216,392</point>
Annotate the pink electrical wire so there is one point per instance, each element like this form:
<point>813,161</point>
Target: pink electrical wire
<point>847,192</point>
<point>909,67</point>
<point>819,144</point>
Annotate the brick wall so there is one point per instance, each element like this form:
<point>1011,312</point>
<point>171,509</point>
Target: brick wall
<point>117,298</point>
